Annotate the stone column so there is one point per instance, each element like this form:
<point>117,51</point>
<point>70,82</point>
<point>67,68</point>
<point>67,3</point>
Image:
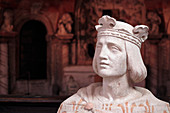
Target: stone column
<point>3,68</point>
<point>164,66</point>
<point>59,58</point>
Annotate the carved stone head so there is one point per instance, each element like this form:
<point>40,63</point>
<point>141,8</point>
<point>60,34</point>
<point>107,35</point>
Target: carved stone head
<point>118,49</point>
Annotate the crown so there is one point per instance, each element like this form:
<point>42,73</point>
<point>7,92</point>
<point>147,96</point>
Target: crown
<point>108,26</point>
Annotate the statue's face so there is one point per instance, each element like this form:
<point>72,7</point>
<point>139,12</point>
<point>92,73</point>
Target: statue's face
<point>110,55</point>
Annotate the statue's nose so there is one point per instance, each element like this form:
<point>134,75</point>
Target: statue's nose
<point>103,53</point>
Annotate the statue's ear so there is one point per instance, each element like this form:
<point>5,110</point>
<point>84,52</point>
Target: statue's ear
<point>141,31</point>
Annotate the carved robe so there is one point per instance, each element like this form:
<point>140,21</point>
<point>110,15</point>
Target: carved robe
<point>78,103</point>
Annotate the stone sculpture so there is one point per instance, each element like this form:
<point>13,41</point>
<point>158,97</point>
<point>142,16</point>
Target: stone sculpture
<point>118,61</point>
<point>7,24</point>
<point>72,86</point>
<point>65,24</point>
<point>154,21</point>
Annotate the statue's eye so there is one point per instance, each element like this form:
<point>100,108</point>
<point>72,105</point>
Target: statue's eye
<point>113,47</point>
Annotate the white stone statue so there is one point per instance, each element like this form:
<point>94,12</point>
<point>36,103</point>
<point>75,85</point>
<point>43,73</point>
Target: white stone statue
<point>118,61</point>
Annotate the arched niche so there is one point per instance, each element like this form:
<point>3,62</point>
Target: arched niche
<point>42,18</point>
<point>50,84</point>
<point>32,51</point>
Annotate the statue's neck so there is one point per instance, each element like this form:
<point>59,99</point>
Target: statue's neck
<point>116,87</point>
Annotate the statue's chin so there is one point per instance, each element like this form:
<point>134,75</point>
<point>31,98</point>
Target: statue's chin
<point>106,73</point>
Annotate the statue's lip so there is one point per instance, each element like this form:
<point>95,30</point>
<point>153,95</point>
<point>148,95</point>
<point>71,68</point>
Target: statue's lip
<point>103,63</point>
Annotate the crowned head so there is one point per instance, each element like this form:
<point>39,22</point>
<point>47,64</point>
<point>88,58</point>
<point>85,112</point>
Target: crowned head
<point>132,37</point>
<point>109,26</point>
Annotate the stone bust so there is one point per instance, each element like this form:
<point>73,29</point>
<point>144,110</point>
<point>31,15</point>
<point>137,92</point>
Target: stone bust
<point>118,61</point>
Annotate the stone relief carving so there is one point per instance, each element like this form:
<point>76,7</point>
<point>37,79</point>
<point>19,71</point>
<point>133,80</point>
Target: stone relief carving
<point>8,21</point>
<point>72,86</point>
<point>154,21</point>
<point>36,7</point>
<point>65,24</point>
<point>134,13</point>
<point>118,61</point>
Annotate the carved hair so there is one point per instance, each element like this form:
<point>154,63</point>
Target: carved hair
<point>135,66</point>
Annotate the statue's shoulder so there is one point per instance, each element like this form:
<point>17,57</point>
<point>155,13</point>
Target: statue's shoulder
<point>79,99</point>
<point>147,95</point>
<point>71,104</point>
<point>89,90</point>
<point>150,102</point>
